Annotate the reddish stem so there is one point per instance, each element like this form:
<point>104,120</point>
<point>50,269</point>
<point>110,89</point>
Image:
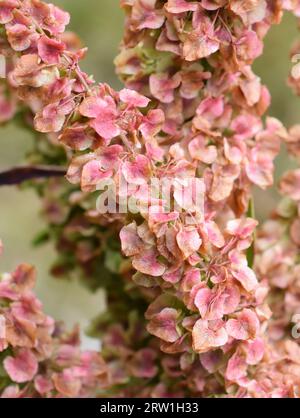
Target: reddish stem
<point>18,175</point>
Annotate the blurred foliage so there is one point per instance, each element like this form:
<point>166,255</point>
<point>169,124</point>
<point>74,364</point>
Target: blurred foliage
<point>99,23</point>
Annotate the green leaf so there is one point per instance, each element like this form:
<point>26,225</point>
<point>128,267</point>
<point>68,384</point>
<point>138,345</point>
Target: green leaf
<point>113,261</point>
<point>250,251</point>
<point>41,238</point>
<point>251,209</point>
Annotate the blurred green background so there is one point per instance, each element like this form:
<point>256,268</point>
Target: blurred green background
<point>100,25</point>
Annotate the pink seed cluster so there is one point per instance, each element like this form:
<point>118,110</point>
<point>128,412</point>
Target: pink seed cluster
<point>41,359</point>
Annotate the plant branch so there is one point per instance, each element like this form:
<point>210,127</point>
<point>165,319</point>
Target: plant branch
<point>17,175</point>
